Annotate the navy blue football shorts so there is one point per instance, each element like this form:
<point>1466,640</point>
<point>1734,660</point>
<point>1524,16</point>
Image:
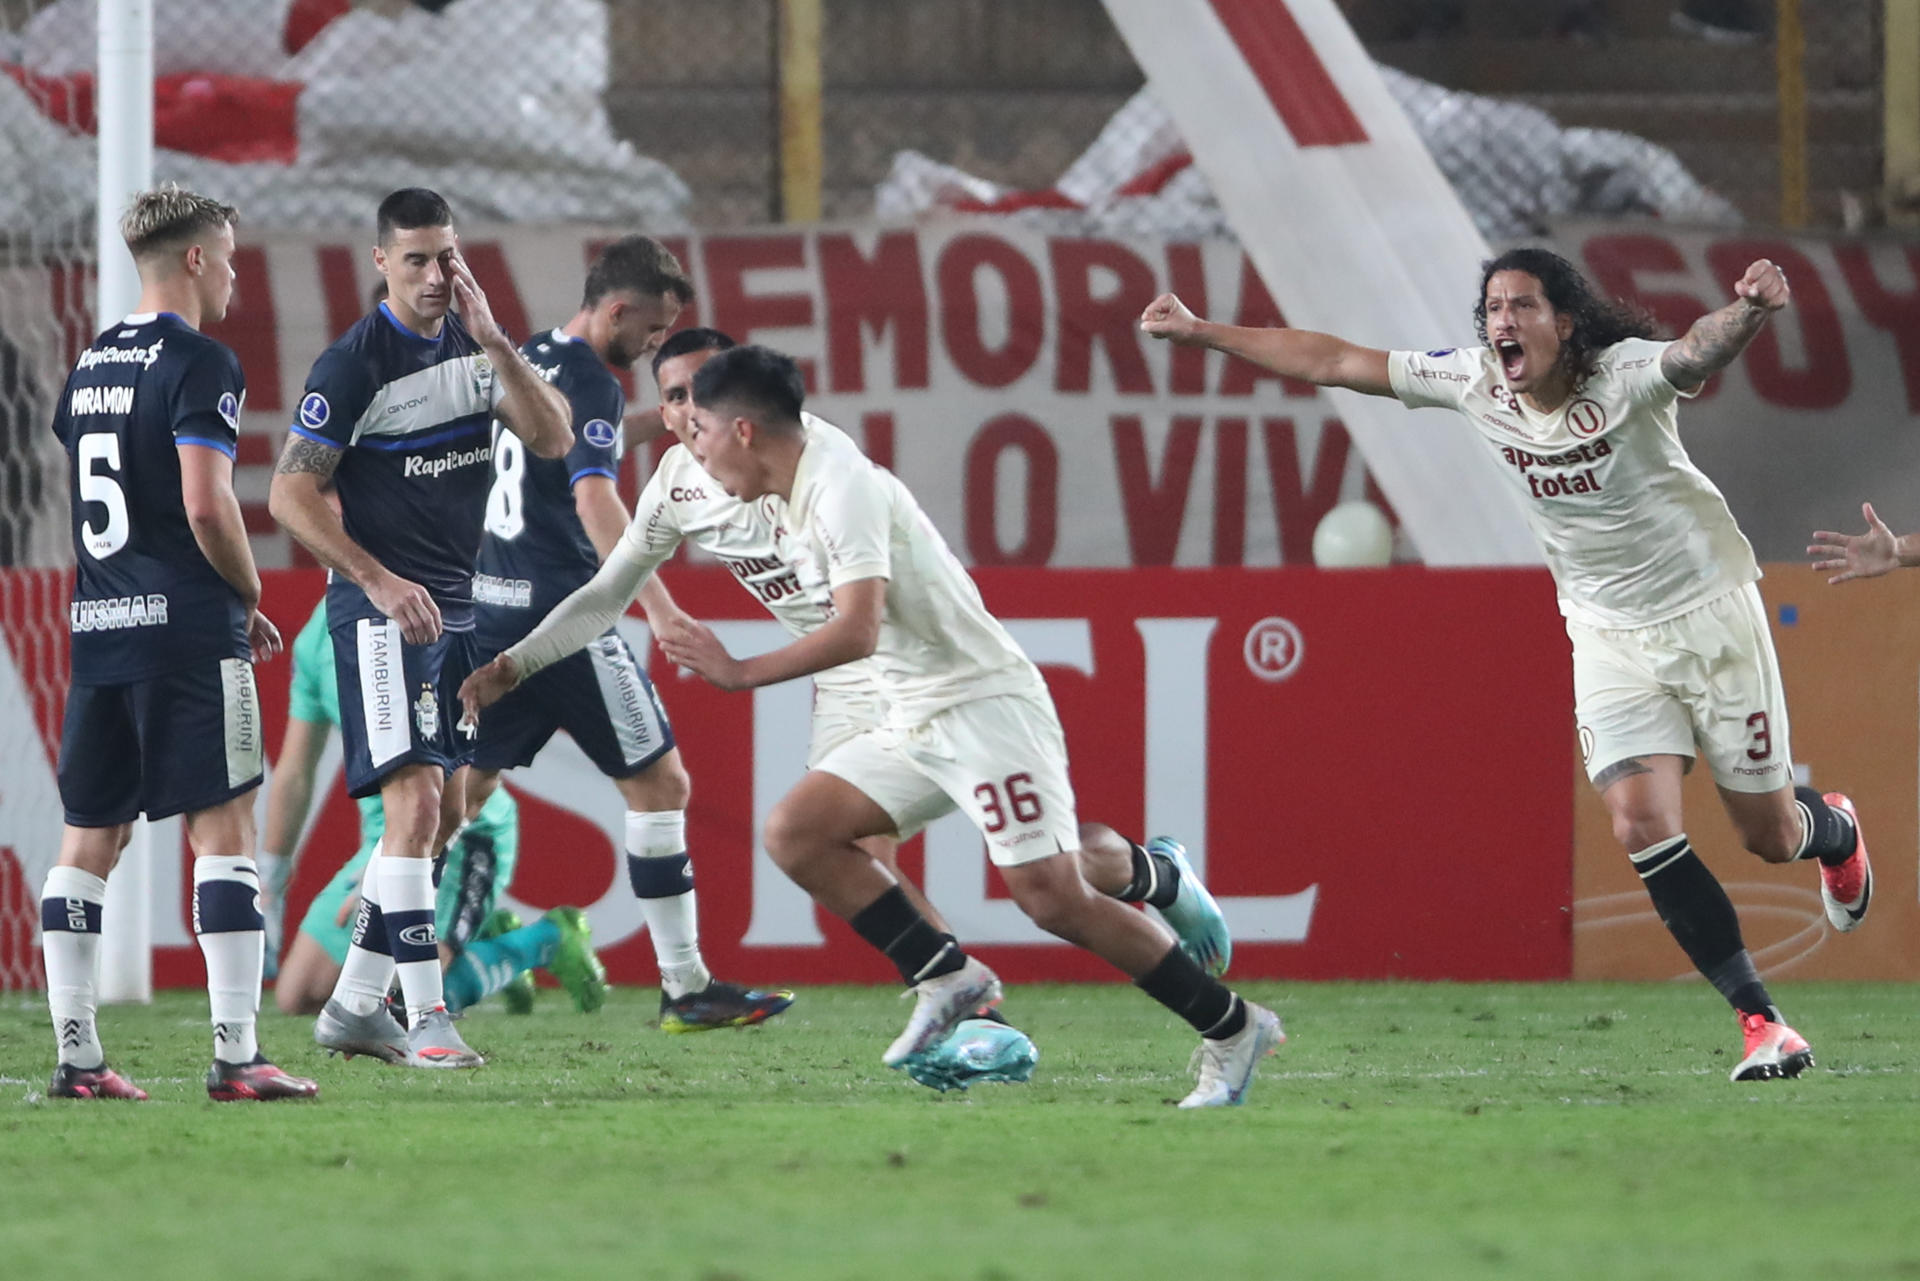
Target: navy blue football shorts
<point>399,703</point>
<point>173,744</point>
<point>600,696</point>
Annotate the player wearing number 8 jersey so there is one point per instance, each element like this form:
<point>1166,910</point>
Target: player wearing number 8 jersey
<point>549,522</point>
<point>1672,659</point>
<point>162,716</point>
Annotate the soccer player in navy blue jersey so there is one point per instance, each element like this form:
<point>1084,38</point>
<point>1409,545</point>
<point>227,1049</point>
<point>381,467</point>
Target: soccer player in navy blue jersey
<point>162,716</point>
<point>397,417</point>
<point>550,522</point>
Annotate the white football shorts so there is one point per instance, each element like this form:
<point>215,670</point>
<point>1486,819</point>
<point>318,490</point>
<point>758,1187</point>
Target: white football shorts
<point>1703,684</point>
<point>1001,760</point>
<point>839,716</point>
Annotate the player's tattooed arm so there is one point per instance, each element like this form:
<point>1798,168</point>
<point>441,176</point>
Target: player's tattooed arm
<point>1618,770</point>
<point>1718,337</point>
<point>303,456</point>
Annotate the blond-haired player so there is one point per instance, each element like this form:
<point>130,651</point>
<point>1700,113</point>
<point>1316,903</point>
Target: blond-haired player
<point>162,716</point>
<point>1672,659</point>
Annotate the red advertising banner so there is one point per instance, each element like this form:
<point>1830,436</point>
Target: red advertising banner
<point>1370,766</point>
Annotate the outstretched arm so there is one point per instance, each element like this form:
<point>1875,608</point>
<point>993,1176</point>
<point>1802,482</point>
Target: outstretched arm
<point>1719,336</point>
<point>1291,353</point>
<point>1868,555</point>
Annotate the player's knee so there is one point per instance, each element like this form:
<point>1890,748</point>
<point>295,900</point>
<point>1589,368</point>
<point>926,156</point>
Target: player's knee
<point>1638,829</point>
<point>788,837</point>
<point>1055,903</point>
<point>1774,844</point>
<point>668,785</point>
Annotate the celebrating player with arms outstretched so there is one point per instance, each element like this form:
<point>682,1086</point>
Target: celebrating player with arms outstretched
<point>398,415</point>
<point>550,522</point>
<point>1671,654</point>
<point>969,720</point>
<point>162,717</point>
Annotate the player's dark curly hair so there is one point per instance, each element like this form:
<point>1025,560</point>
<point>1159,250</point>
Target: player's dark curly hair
<point>1598,322</point>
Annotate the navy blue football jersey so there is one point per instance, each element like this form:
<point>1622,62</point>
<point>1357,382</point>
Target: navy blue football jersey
<point>414,417</point>
<point>145,600</point>
<point>535,551</point>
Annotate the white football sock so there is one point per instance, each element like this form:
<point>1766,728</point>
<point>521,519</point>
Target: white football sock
<point>367,972</point>
<point>232,934</point>
<point>406,897</point>
<point>73,898</point>
<point>658,866</point>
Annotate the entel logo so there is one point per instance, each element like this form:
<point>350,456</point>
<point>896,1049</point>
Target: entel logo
<point>1273,649</point>
<point>681,494</point>
<point>314,411</point>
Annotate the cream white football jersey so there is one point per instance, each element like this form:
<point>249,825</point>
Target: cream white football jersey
<point>681,503</point>
<point>848,519</point>
<point>1633,532</point>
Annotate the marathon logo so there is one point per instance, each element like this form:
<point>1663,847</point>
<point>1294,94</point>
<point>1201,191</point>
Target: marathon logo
<point>117,613</point>
<point>100,400</point>
<point>434,468</point>
<point>142,356</point>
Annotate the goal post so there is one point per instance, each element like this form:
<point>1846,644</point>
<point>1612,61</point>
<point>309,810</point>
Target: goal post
<point>125,83</point>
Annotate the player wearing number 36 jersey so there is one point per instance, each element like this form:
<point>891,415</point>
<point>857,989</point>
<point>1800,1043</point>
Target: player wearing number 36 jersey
<point>969,723</point>
<point>1671,655</point>
<point>162,716</point>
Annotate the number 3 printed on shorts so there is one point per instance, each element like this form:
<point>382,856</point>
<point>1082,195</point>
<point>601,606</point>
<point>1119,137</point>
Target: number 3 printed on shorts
<point>1025,805</point>
<point>1762,737</point>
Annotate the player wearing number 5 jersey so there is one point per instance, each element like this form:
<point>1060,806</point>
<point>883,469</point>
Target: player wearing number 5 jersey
<point>1672,659</point>
<point>549,522</point>
<point>162,715</point>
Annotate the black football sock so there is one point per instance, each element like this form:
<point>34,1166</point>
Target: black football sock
<point>1700,916</point>
<point>1195,995</point>
<point>1830,833</point>
<point>894,926</point>
<point>1155,879</point>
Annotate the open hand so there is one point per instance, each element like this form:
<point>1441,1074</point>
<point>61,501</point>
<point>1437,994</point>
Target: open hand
<point>474,311</point>
<point>486,686</point>
<point>1867,555</point>
<point>692,645</point>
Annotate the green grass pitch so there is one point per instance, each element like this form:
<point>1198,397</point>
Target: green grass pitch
<point>1406,1131</point>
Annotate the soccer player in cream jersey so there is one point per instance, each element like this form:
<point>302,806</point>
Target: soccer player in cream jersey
<point>1672,659</point>
<point>847,702</point>
<point>969,722</point>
